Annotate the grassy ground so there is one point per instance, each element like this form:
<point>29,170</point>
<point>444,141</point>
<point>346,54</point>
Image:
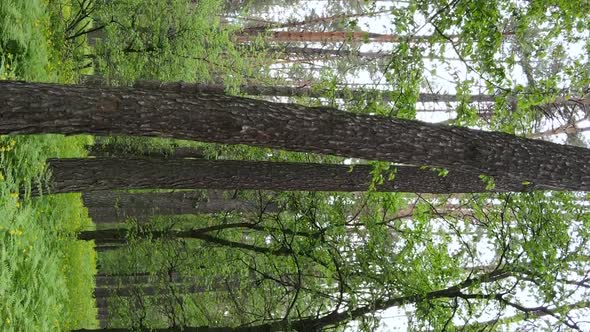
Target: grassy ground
<point>46,276</point>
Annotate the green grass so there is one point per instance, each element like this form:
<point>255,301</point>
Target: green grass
<point>46,275</point>
<point>46,278</point>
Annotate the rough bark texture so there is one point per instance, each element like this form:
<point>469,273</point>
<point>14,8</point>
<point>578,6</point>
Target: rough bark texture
<point>27,108</point>
<point>98,174</point>
<point>112,207</point>
<point>108,150</point>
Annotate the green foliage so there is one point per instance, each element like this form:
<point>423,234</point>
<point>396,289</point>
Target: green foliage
<point>488,181</point>
<point>46,275</point>
<point>24,45</point>
<point>46,279</point>
<point>178,40</point>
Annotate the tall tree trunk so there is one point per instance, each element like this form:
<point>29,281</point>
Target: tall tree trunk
<point>99,174</point>
<point>265,26</point>
<point>111,207</point>
<point>329,37</point>
<point>182,286</point>
<point>284,91</point>
<point>353,93</point>
<point>113,150</point>
<point>302,91</point>
<point>120,236</point>
<point>106,279</point>
<point>30,108</point>
<point>322,52</point>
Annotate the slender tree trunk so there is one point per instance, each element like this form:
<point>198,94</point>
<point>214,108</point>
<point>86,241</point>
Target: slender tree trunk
<point>106,280</point>
<point>319,52</point>
<point>353,93</point>
<point>102,312</point>
<point>100,174</point>
<point>265,26</point>
<point>108,247</point>
<point>329,37</point>
<point>302,91</point>
<point>182,286</point>
<point>120,236</point>
<point>30,108</point>
<point>112,207</point>
<point>112,150</point>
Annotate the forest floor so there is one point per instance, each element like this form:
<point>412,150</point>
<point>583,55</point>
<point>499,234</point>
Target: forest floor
<point>46,275</point>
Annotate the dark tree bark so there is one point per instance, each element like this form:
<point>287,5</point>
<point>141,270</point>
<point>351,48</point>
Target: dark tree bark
<point>181,286</point>
<point>110,150</point>
<point>290,91</point>
<point>112,207</point>
<point>295,91</point>
<point>108,247</point>
<point>120,236</point>
<point>99,174</point>
<point>27,108</point>
<point>330,37</point>
<point>105,280</point>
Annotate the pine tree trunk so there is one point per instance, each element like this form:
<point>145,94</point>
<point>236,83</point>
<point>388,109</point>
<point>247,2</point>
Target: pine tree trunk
<point>328,37</point>
<point>295,91</point>
<point>181,285</point>
<point>121,235</point>
<point>29,108</point>
<point>319,53</point>
<point>108,280</point>
<point>112,150</point>
<point>101,174</point>
<point>260,27</point>
<point>112,207</point>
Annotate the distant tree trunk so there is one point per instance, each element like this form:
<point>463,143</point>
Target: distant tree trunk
<point>344,93</point>
<point>287,91</point>
<point>112,150</point>
<point>108,247</point>
<point>31,108</point>
<point>265,26</point>
<point>100,174</point>
<point>106,279</point>
<point>320,53</point>
<point>112,207</point>
<point>120,236</point>
<point>102,312</point>
<point>303,91</point>
<point>328,37</point>
<point>181,285</point>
